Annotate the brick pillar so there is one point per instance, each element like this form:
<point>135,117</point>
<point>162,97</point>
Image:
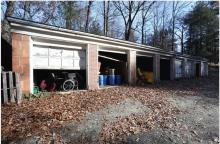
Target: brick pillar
<point>92,67</point>
<point>172,68</point>
<point>131,67</point>
<point>156,68</point>
<point>21,59</point>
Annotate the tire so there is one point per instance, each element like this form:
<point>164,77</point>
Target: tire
<point>68,85</point>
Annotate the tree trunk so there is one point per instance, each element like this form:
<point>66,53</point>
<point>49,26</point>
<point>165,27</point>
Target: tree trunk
<point>6,35</point>
<point>107,17</point>
<point>142,31</point>
<point>128,30</point>
<point>87,16</point>
<point>173,27</point>
<point>182,44</point>
<point>104,14</point>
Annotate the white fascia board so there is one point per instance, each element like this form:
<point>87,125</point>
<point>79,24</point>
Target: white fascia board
<point>90,37</point>
<point>63,39</point>
<point>56,45</point>
<point>113,41</point>
<point>86,35</point>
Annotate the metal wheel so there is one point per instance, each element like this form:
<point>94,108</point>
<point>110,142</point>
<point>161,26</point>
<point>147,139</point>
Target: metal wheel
<point>68,85</point>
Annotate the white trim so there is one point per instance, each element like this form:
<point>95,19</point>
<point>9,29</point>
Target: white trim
<point>87,66</point>
<point>57,45</point>
<point>52,30</point>
<point>141,55</point>
<point>112,51</point>
<point>55,68</point>
<point>31,66</point>
<point>97,54</point>
<point>85,35</point>
<point>108,58</point>
<point>58,38</point>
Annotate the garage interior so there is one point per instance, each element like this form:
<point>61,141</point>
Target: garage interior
<point>164,69</point>
<point>116,61</point>
<point>46,74</point>
<point>144,69</point>
<point>55,63</point>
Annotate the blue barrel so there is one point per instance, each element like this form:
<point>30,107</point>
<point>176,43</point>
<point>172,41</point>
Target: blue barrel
<point>101,80</point>
<point>104,79</point>
<point>111,79</point>
<point>117,79</point>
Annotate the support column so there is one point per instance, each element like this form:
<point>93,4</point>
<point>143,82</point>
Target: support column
<point>194,68</point>
<point>92,66</point>
<point>21,59</point>
<point>207,69</point>
<point>201,69</point>
<point>172,68</point>
<point>156,68</point>
<point>131,67</point>
<point>184,68</point>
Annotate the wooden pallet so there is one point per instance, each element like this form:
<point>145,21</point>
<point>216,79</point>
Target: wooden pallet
<point>11,87</point>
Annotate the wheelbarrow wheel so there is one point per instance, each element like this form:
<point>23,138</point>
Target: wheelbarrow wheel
<point>68,85</point>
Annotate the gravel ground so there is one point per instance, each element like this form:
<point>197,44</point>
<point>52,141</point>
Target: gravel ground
<point>121,121</point>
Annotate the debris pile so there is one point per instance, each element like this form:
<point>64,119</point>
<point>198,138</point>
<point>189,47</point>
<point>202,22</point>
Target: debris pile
<point>40,116</point>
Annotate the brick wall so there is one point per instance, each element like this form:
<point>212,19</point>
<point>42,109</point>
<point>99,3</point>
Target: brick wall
<point>20,59</point>
<point>92,67</point>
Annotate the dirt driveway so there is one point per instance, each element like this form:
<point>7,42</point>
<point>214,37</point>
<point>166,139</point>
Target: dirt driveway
<point>185,111</point>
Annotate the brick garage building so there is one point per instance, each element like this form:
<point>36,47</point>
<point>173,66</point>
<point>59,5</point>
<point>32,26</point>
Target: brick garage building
<point>41,47</point>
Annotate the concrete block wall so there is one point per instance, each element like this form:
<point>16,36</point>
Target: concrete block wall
<point>92,66</point>
<point>20,59</point>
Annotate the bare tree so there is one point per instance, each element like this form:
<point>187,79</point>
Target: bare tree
<point>177,8</point>
<point>145,11</point>
<point>49,12</point>
<point>156,25</point>
<point>128,11</point>
<point>87,16</point>
<point>6,35</point>
<point>69,13</point>
<point>106,7</point>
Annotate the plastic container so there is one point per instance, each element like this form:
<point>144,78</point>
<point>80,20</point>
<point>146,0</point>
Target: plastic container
<point>36,90</point>
<point>111,79</point>
<point>117,79</point>
<point>105,79</point>
<point>101,80</point>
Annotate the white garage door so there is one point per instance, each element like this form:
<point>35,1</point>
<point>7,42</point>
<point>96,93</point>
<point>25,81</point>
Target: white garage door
<point>56,58</point>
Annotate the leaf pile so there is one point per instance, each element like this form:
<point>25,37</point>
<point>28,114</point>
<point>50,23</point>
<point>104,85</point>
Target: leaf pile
<point>162,111</point>
<point>39,116</point>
